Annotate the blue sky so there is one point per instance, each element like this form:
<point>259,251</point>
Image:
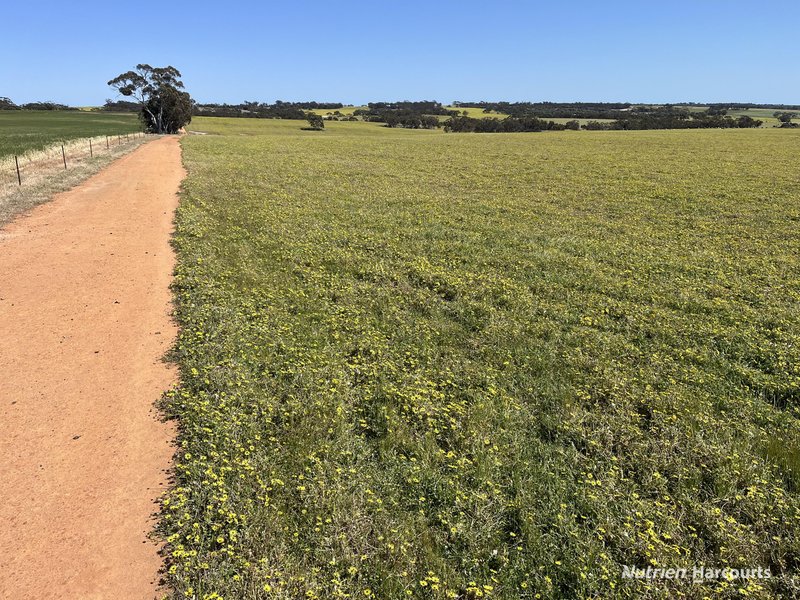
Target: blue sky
<point>701,50</point>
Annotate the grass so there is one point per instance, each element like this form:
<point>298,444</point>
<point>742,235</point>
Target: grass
<point>429,365</point>
<point>24,130</point>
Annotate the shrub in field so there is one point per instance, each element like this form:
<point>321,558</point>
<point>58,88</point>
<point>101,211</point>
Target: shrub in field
<point>785,117</point>
<point>315,121</point>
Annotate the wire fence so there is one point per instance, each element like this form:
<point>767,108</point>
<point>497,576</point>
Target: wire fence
<point>16,170</point>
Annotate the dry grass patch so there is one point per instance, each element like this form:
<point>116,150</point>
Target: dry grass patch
<point>43,173</point>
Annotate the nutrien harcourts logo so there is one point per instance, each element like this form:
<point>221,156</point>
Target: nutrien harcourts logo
<point>697,574</point>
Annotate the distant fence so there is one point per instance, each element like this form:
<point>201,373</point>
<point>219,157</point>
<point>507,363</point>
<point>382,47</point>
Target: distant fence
<point>16,170</point>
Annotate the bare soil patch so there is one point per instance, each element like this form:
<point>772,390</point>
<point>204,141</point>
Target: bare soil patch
<point>85,318</point>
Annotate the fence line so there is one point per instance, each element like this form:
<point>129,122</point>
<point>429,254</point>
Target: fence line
<point>18,169</point>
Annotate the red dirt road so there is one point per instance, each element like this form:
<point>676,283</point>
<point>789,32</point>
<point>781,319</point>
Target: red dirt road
<point>84,324</point>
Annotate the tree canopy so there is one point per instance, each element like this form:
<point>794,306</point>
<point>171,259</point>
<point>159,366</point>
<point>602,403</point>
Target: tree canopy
<point>315,121</point>
<point>165,107</point>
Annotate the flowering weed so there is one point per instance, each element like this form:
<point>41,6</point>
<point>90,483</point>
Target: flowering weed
<point>418,365</point>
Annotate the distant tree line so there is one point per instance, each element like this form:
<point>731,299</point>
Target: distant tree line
<point>263,110</point>
<point>7,104</point>
<point>255,110</point>
<point>673,120</point>
<point>606,110</point>
<point>742,105</point>
<point>403,118</point>
<point>46,105</point>
<point>508,125</point>
<point>425,107</point>
<point>412,115</point>
<point>623,115</point>
<point>313,105</point>
<point>121,106</point>
<point>523,116</point>
<point>666,117</point>
<point>552,110</point>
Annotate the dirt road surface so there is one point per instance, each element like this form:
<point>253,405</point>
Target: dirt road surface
<point>84,324</point>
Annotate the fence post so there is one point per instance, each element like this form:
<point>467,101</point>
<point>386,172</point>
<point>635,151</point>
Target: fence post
<point>64,156</point>
<point>107,144</point>
<point>119,140</point>
<point>91,153</point>
<point>17,163</point>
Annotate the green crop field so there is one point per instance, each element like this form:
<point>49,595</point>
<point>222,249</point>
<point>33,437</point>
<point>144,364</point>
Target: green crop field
<point>428,365</point>
<point>24,130</point>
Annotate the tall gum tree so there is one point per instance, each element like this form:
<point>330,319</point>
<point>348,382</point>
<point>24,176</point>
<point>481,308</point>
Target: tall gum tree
<point>165,107</point>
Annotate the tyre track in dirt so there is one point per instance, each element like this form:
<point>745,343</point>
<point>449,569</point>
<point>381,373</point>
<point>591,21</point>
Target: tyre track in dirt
<point>84,324</point>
